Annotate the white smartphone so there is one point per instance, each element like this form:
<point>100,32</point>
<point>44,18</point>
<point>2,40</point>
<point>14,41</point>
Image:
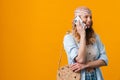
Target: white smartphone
<point>77,18</point>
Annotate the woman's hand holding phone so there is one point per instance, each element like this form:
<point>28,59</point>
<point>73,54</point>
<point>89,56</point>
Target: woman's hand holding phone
<point>80,26</point>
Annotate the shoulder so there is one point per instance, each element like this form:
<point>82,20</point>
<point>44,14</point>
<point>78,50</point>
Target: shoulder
<point>69,39</point>
<point>68,36</point>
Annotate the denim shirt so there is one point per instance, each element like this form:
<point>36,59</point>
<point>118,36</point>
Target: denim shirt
<point>71,47</point>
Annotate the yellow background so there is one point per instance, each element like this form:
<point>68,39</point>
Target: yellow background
<point>32,31</point>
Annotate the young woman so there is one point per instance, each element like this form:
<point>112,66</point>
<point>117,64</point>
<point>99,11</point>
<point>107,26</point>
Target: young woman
<point>84,49</point>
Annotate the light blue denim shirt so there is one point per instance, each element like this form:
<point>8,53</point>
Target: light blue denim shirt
<point>71,47</point>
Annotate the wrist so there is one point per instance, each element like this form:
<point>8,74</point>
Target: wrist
<point>82,37</point>
<point>82,40</point>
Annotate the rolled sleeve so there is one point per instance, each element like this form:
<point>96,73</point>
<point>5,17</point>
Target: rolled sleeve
<point>70,46</point>
<point>102,51</point>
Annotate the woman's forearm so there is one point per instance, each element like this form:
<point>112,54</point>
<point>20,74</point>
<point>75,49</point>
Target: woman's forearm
<point>96,63</point>
<point>90,65</point>
<point>81,52</point>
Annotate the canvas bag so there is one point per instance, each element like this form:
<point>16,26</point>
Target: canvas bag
<point>65,73</point>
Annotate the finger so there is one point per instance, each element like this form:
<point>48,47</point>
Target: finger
<point>77,70</point>
<point>74,67</point>
<point>84,26</point>
<point>78,22</point>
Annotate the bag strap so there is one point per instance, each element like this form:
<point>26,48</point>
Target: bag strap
<point>60,58</point>
<point>68,32</point>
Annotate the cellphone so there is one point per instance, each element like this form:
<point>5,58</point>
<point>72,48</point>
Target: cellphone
<point>77,18</point>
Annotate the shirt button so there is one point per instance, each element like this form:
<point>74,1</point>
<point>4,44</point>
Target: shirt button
<point>89,53</point>
<point>89,60</point>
